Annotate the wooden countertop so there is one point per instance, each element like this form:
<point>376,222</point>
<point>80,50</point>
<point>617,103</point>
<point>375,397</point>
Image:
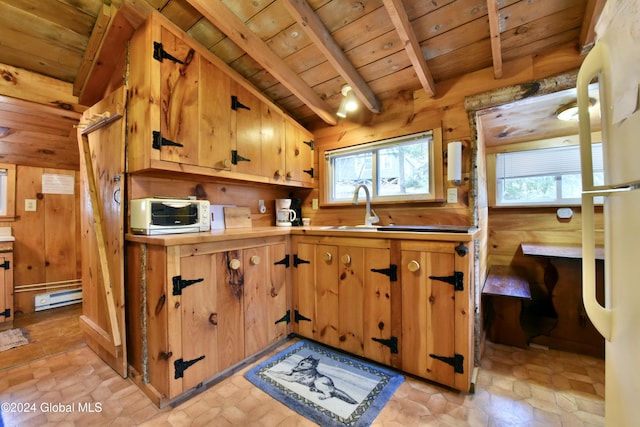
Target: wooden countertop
<point>257,232</point>
<point>558,250</point>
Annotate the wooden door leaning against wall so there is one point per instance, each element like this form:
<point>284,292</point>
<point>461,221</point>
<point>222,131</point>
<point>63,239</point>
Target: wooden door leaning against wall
<point>101,142</point>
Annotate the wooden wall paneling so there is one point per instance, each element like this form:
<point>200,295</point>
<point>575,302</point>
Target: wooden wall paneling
<point>219,193</point>
<point>60,233</point>
<point>29,231</point>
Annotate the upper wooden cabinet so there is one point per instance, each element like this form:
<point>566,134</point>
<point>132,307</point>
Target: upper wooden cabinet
<point>299,157</point>
<point>189,112</point>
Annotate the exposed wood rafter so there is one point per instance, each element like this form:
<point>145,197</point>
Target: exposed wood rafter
<point>227,22</point>
<point>587,32</point>
<point>496,45</point>
<point>321,37</point>
<point>400,20</point>
<point>103,22</point>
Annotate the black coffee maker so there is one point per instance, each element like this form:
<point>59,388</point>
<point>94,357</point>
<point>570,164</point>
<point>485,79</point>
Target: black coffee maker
<point>296,205</point>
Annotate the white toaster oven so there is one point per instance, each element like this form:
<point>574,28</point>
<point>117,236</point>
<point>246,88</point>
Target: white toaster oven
<point>155,215</point>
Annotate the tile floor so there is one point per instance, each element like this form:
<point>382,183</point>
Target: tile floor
<point>515,387</point>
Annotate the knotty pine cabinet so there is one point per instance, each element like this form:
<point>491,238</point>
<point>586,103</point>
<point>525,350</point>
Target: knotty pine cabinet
<point>189,112</point>
<point>437,311</point>
<point>342,295</point>
<point>404,303</point>
<point>6,285</point>
<point>195,310</point>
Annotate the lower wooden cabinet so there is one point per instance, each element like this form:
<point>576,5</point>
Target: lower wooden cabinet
<point>213,305</point>
<point>437,311</point>
<point>404,303</point>
<point>343,296</point>
<point>6,285</point>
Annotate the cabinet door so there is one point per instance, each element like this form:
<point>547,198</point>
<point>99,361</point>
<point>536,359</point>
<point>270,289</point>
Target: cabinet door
<point>179,115</point>
<point>326,264</point>
<point>428,315</point>
<point>247,122</point>
<point>256,299</point>
<point>199,320</point>
<point>277,296</point>
<point>304,291</point>
<point>215,117</point>
<point>6,287</point>
<point>230,290</point>
<point>299,155</point>
<point>364,300</point>
<point>273,143</point>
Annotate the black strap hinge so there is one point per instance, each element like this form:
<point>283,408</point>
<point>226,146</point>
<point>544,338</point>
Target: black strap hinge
<point>235,104</point>
<point>286,318</point>
<point>457,361</point>
<point>181,365</point>
<point>309,171</point>
<point>309,143</point>
<point>6,313</point>
<point>159,54</point>
<point>297,317</point>
<point>235,157</point>
<point>159,141</point>
<point>284,261</point>
<point>457,280</point>
<point>392,272</point>
<point>179,284</point>
<point>392,343</point>
<point>297,261</point>
<point>6,265</point>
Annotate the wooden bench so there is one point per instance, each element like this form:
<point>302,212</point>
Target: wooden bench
<point>505,290</point>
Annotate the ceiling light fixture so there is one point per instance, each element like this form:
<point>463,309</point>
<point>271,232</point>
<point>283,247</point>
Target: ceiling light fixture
<point>349,103</point>
<point>569,112</point>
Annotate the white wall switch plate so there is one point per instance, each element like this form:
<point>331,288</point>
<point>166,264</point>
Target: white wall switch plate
<point>314,204</point>
<point>30,205</point>
<point>452,195</point>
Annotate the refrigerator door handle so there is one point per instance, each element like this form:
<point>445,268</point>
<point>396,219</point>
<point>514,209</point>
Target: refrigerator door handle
<point>608,190</point>
<point>593,65</point>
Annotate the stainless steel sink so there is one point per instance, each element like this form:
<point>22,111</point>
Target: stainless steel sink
<point>352,227</point>
<point>403,228</point>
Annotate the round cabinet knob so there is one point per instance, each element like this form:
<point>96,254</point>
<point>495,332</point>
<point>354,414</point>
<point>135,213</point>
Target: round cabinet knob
<point>234,264</point>
<point>226,163</point>
<point>279,173</point>
<point>413,266</point>
<point>346,259</point>
<point>289,175</point>
<point>254,260</point>
<point>327,256</point>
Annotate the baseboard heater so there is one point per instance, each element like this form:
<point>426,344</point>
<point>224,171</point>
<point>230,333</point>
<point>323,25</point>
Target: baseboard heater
<point>57,299</point>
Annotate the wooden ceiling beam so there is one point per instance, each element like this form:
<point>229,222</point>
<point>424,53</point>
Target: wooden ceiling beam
<point>400,21</point>
<point>227,22</point>
<point>324,41</point>
<point>587,32</point>
<point>496,44</point>
<point>103,22</point>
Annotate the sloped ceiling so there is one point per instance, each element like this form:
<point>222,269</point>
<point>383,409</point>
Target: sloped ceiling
<point>298,52</point>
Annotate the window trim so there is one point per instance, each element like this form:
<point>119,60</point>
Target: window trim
<point>11,191</point>
<point>491,163</point>
<point>436,172</point>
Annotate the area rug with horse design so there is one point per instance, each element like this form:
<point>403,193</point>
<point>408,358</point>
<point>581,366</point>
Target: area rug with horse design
<point>326,386</point>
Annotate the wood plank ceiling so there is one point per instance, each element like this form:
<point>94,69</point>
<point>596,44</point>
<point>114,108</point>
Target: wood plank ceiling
<point>298,52</point>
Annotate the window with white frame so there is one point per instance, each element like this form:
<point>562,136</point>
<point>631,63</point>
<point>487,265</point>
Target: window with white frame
<point>394,169</point>
<point>4,199</point>
<point>548,176</point>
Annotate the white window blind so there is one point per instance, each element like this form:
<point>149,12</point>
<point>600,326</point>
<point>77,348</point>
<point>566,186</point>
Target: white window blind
<point>547,161</point>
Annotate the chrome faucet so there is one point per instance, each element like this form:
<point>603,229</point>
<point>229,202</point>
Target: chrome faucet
<point>370,216</point>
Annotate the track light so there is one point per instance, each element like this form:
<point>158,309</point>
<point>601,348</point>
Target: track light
<point>349,103</point>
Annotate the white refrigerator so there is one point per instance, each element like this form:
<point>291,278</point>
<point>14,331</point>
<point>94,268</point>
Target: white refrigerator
<point>615,61</point>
